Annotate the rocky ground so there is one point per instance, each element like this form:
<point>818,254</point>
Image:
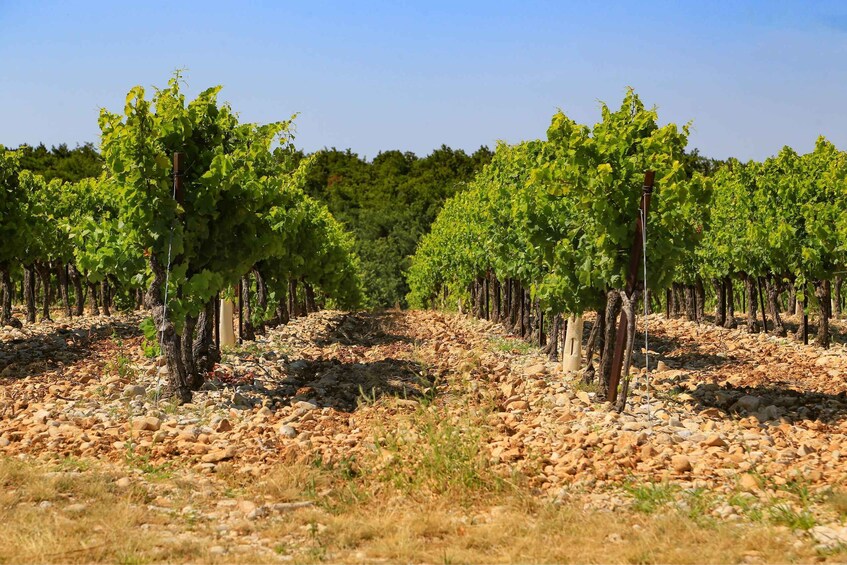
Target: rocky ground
<point>738,431</point>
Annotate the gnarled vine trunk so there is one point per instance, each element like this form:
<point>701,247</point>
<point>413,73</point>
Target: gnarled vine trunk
<point>628,306</point>
<point>595,343</point>
<point>247,311</point>
<point>178,383</point>
<point>515,300</point>
<point>62,272</point>
<point>309,292</point>
<point>93,308</point>
<point>43,271</point>
<point>496,298</point>
<point>772,290</point>
<point>699,299</point>
<point>282,306</point>
<point>822,292</point>
<point>730,304</point>
<point>205,351</point>
<point>552,349</point>
<point>105,297</point>
<point>750,292</point>
<point>720,302</point>
<point>29,293</point>
<point>6,318</point>
<point>613,308</point>
<point>678,300</point>
<point>690,303</point>
<point>79,295</point>
<point>195,378</point>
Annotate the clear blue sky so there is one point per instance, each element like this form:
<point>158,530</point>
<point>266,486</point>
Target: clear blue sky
<point>752,76</point>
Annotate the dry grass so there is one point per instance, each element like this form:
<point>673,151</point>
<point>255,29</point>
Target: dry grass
<point>425,494</point>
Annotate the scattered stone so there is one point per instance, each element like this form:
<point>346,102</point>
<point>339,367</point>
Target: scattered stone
<point>148,423</point>
<point>41,417</point>
<point>830,537</point>
<point>535,370</point>
<point>288,506</point>
<point>287,431</point>
<point>714,441</point>
<point>748,483</point>
<point>219,455</point>
<point>747,404</point>
<point>680,464</point>
<point>134,391</point>
<point>223,426</point>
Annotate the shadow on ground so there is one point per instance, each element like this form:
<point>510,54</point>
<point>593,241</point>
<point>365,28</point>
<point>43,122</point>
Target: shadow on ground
<point>344,386</point>
<point>33,356</point>
<point>343,377</point>
<point>363,329</point>
<point>773,404</point>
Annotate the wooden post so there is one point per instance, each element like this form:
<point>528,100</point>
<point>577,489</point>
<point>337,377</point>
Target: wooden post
<point>218,321</point>
<point>631,278</point>
<point>225,333</point>
<point>240,313</point>
<point>572,354</point>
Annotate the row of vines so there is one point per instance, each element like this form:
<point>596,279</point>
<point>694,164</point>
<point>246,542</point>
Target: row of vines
<point>547,229</point>
<point>128,238</point>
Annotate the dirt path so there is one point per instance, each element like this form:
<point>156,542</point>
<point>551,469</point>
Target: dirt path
<point>420,436</point>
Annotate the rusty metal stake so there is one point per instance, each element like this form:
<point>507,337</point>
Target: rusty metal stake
<point>632,276</point>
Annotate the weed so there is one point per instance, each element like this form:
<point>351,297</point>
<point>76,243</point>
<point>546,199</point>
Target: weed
<point>649,497</point>
<point>837,500</point>
<point>121,365</point>
<point>130,558</point>
<point>73,464</point>
<point>748,505</point>
<point>785,515</point>
<point>700,504</point>
<point>150,344</point>
<point>367,399</point>
<point>435,455</point>
<point>143,464</point>
<point>799,487</point>
<point>511,345</point>
<point>594,387</point>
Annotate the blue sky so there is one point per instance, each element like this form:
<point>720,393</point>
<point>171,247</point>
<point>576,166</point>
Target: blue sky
<point>752,76</point>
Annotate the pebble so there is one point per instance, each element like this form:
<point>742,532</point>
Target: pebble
<point>681,464</point>
<point>287,431</point>
<point>830,537</point>
<point>134,391</point>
